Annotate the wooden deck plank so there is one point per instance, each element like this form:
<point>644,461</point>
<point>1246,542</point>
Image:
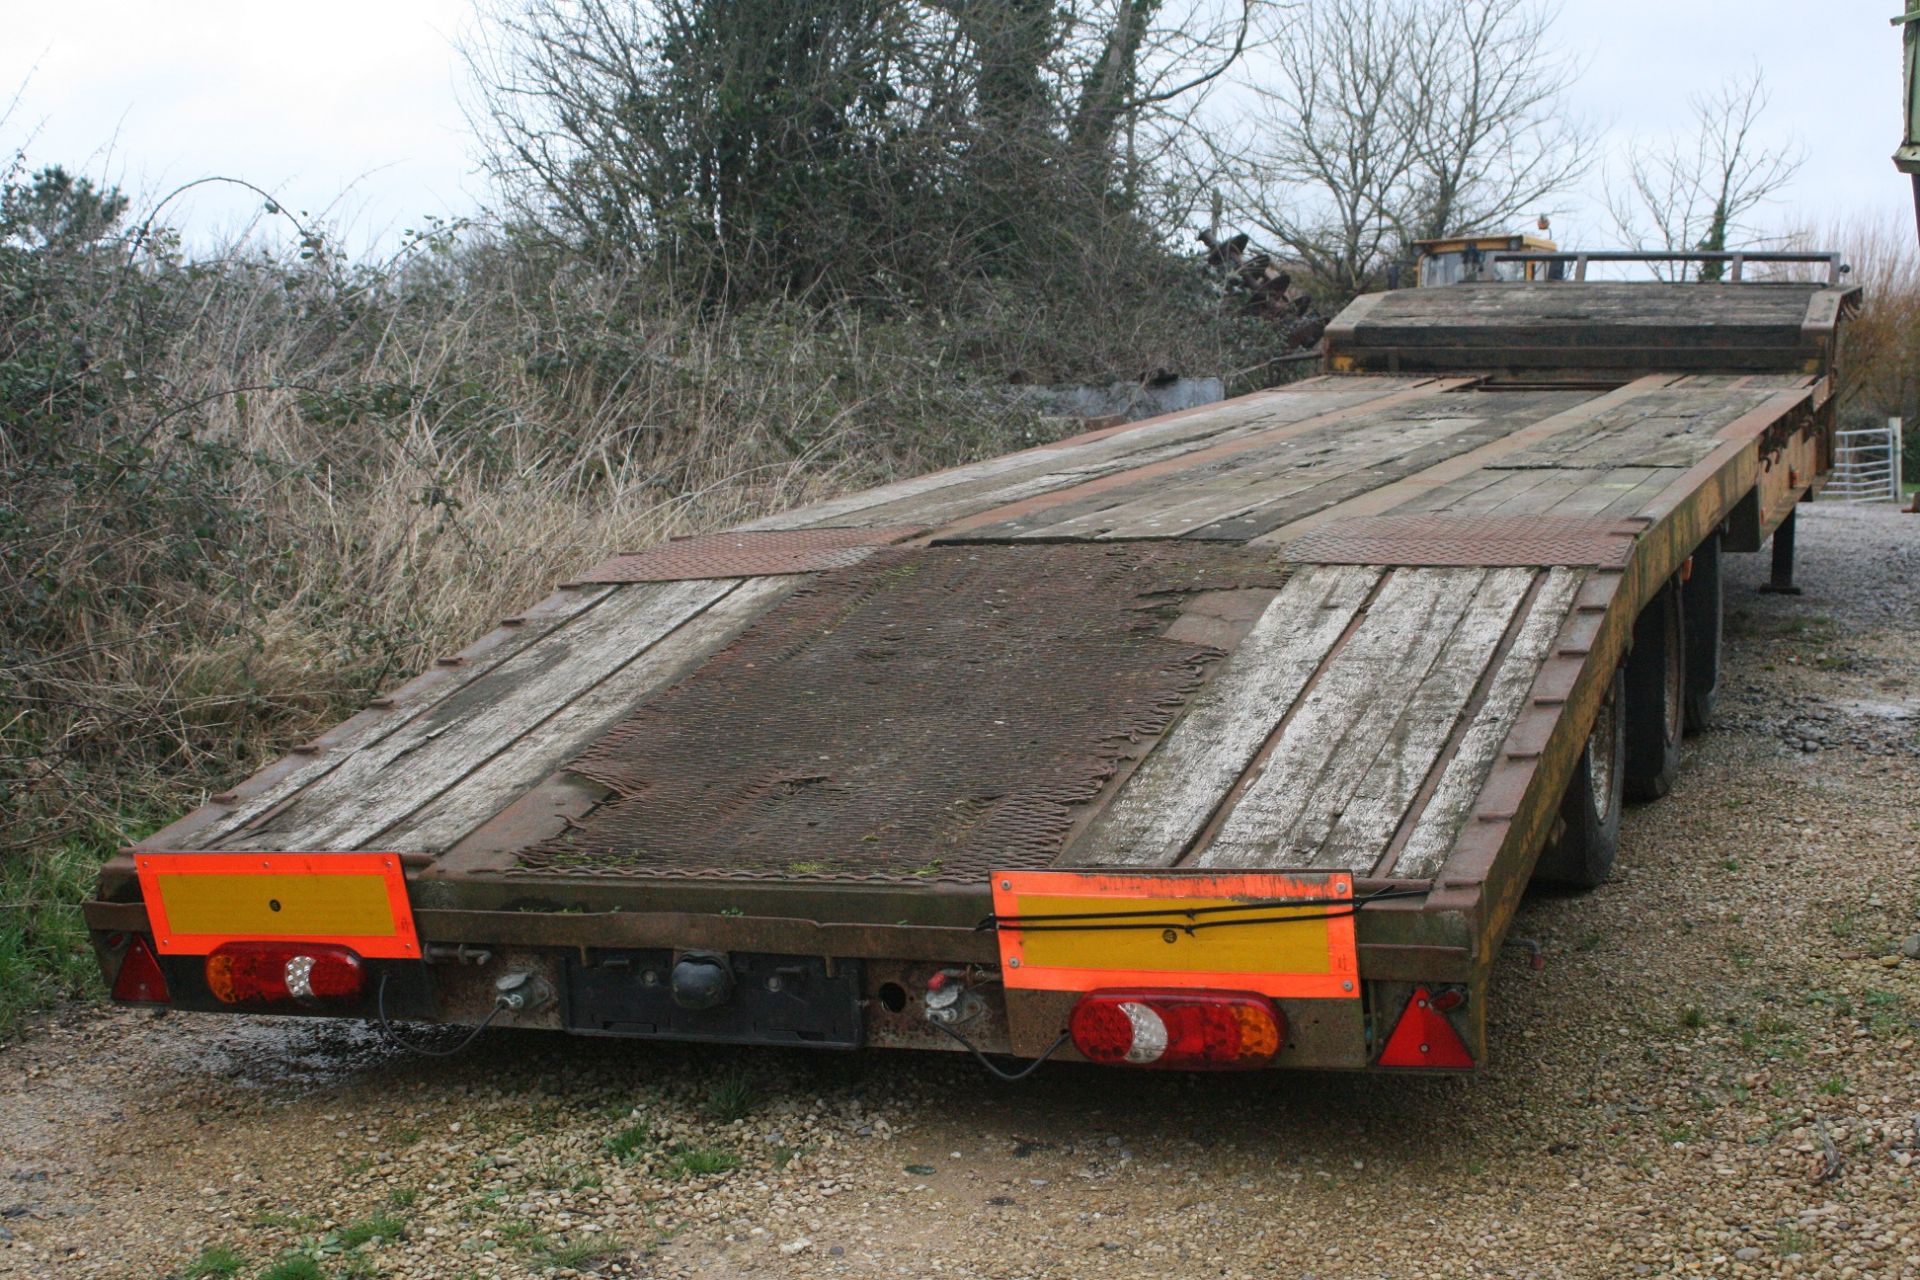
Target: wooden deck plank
<point>1474,493</point>
<point>978,486</point>
<point>1169,507</point>
<point>1394,495</point>
<point>1620,490</point>
<point>376,785</point>
<point>1289,508</point>
<point>549,744</point>
<point>1439,823</point>
<point>1125,451</point>
<point>1486,493</point>
<point>408,703</point>
<point>1551,490</point>
<point>1635,501</point>
<point>1363,818</point>
<point>1233,495</point>
<point>1674,427</point>
<point>1341,724</point>
<point>994,523</point>
<point>1173,794</point>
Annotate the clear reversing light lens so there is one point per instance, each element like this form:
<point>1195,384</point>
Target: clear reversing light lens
<point>1196,1030</point>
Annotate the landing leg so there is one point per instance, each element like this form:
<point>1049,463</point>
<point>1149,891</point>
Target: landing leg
<point>1782,583</point>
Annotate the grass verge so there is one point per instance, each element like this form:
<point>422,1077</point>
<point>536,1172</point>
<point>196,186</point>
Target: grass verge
<point>44,954</point>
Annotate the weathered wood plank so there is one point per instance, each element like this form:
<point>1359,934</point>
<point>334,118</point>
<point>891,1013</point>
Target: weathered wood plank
<point>1168,508</point>
<point>1638,499</point>
<point>1362,821</point>
<point>1393,496</point>
<point>409,702</point>
<point>1582,318</point>
<point>1591,493</point>
<point>1663,428</point>
<point>1488,492</point>
<point>547,745</point>
<point>1391,444</point>
<point>1288,508</point>
<point>1005,520</point>
<point>1371,446</point>
<point>1676,436</point>
<point>379,783</point>
<point>1471,492</point>
<point>977,486</point>
<point>1080,463</point>
<point>1341,724</point>
<point>1439,823</point>
<point>1173,794</point>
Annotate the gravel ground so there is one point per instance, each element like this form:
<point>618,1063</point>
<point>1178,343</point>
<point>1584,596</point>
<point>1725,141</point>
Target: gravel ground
<point>1715,1074</point>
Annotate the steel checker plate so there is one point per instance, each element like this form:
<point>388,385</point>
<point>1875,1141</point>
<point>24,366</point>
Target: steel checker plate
<point>1443,541</point>
<point>753,554</point>
<point>932,714</point>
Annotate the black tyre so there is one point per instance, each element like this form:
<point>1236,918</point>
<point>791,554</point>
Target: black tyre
<point>1656,673</point>
<point>1581,855</point>
<point>1702,599</point>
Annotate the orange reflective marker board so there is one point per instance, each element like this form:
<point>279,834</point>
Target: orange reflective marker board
<point>1291,935</point>
<point>196,901</point>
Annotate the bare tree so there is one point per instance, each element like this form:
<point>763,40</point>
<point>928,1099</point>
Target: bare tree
<point>1490,135</point>
<point>1327,165</point>
<point>1385,121</point>
<point>1700,192</point>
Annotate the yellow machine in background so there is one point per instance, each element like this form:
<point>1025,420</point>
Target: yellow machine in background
<point>1451,259</point>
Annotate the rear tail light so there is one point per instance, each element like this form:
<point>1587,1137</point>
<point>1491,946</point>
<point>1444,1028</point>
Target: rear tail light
<point>1196,1030</point>
<point>1424,1038</point>
<point>278,973</point>
<point>140,980</point>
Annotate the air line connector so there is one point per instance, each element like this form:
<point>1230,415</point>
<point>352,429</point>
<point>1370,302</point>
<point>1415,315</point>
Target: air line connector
<point>522,991</point>
<point>950,1001</point>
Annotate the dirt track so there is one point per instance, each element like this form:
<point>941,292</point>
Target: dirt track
<point>1716,1073</point>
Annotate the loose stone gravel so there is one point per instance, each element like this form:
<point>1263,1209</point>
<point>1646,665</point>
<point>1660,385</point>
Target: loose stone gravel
<point>1715,1075</point>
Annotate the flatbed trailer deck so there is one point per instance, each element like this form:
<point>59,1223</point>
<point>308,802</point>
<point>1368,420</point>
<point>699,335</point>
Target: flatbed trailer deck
<point>1341,644</point>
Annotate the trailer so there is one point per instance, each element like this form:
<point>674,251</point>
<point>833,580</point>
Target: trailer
<point>1231,738</point>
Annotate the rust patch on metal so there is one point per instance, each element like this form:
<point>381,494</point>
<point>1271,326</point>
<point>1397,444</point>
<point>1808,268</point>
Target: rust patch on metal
<point>750,554</point>
<point>1443,541</point>
<point>932,714</point>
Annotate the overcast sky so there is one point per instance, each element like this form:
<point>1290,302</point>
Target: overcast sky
<point>354,105</point>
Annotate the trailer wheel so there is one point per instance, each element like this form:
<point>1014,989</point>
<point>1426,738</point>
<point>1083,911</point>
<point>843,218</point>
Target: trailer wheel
<point>1656,673</point>
<point>1581,855</point>
<point>1702,598</point>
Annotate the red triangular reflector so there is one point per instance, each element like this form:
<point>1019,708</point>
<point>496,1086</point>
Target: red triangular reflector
<point>140,980</point>
<point>1424,1038</point>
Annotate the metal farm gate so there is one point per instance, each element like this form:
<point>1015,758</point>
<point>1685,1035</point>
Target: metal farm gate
<point>1866,464</point>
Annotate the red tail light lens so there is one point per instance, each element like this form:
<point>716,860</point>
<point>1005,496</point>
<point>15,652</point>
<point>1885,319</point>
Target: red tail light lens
<point>1196,1030</point>
<point>140,980</point>
<point>271,973</point>
<point>1424,1038</point>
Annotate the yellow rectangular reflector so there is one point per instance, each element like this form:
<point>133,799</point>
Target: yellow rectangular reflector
<point>1279,935</point>
<point>196,901</point>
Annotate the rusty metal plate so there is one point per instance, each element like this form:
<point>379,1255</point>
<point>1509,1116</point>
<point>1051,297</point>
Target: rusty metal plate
<point>932,714</point>
<point>1469,541</point>
<point>752,554</point>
